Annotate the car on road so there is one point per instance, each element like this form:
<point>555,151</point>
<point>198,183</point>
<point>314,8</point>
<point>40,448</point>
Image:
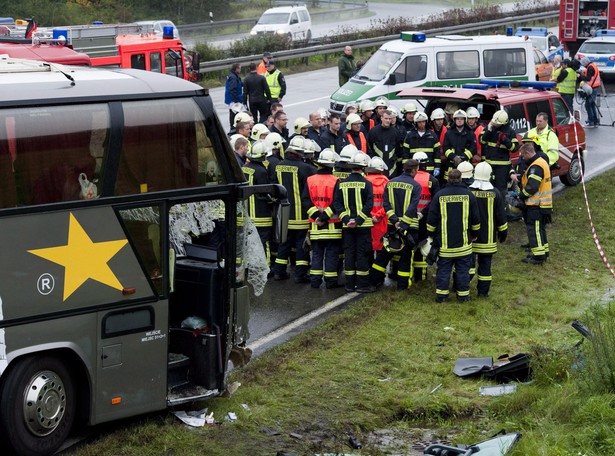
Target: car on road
<point>292,21</point>
<point>600,50</point>
<point>543,40</point>
<point>522,103</point>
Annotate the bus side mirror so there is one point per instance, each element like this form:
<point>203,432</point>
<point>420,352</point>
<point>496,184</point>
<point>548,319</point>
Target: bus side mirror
<point>392,80</point>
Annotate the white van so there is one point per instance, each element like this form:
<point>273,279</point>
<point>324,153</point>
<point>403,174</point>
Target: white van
<point>450,60</point>
<point>292,21</point>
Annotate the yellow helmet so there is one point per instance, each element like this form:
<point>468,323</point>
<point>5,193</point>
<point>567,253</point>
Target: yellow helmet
<point>500,117</point>
<point>258,130</point>
<point>352,119</point>
<point>301,122</point>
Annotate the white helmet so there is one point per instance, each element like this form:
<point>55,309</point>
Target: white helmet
<point>450,108</point>
<point>394,111</point>
<point>472,112</point>
<point>359,159</point>
<point>301,122</point>
<point>347,152</point>
<point>258,151</point>
<point>376,164</point>
<point>234,138</point>
<point>297,143</point>
<point>500,117</point>
<point>310,146</point>
<point>460,114</point>
<point>242,117</point>
<point>426,247</point>
<point>327,157</point>
<point>420,117</point>
<point>437,113</point>
<point>420,157</point>
<point>352,119</point>
<point>382,101</point>
<point>409,107</point>
<point>366,105</point>
<point>258,130</point>
<point>483,172</point>
<point>466,169</point>
<point>274,141</point>
<point>324,114</point>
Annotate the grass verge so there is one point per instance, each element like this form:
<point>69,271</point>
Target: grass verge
<point>374,366</point>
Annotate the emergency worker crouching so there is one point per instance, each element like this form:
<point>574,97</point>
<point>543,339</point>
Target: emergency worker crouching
<point>499,140</point>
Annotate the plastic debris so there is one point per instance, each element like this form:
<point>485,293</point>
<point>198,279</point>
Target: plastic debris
<point>245,407</point>
<point>354,443</point>
<point>436,389</point>
<point>498,390</point>
<point>193,418</point>
<point>294,435</point>
<point>270,432</point>
<point>231,416</point>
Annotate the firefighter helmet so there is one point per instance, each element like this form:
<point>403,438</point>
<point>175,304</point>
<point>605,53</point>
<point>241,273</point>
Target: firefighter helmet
<point>376,164</point>
<point>437,113</point>
<point>352,119</point>
<point>258,151</point>
<point>310,147</point>
<point>500,117</point>
<point>234,139</point>
<point>258,130</point>
<point>297,143</point>
<point>450,108</point>
<point>420,117</point>
<point>533,138</point>
<point>472,113</point>
<point>274,141</point>
<point>425,246</point>
<point>300,122</point>
<point>394,111</point>
<point>393,242</point>
<point>420,157</point>
<point>348,152</point>
<point>382,102</point>
<point>460,114</point>
<point>466,169</point>
<point>366,105</point>
<point>483,172</point>
<point>408,107</point>
<point>359,159</point>
<point>324,114</point>
<point>327,157</point>
<point>242,117</point>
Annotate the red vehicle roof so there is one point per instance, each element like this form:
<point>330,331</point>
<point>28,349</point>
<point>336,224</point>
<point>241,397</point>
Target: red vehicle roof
<point>45,52</point>
<point>506,95</point>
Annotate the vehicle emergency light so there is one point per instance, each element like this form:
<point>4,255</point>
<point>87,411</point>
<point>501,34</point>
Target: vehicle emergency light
<point>167,32</point>
<point>414,37</point>
<point>605,32</point>
<point>506,83</point>
<point>509,31</point>
<point>532,31</point>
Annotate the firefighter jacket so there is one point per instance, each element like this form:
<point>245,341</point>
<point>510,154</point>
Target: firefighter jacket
<point>440,134</point>
<point>318,198</point>
<point>270,163</point>
<point>368,124</point>
<point>379,182</point>
<point>408,126</point>
<point>493,220</point>
<point>293,173</point>
<point>429,187</point>
<point>428,142</point>
<point>259,207</point>
<point>497,144</point>
<point>478,156</point>
<point>401,201</point>
<point>342,170</point>
<point>357,139</point>
<point>536,184</point>
<point>334,141</point>
<point>354,199</point>
<point>453,220</point>
<point>385,143</point>
<point>460,143</point>
<point>549,142</point>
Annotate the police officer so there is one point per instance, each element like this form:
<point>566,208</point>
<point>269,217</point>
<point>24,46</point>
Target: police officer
<point>420,139</point>
<point>354,133</point>
<point>353,202</point>
<point>459,141</point>
<point>385,141</point>
<point>499,140</point>
<point>325,226</point>
<point>401,199</point>
<point>275,80</point>
<point>454,222</point>
<point>536,194</point>
<point>493,224</point>
<point>566,79</point>
<point>292,173</point>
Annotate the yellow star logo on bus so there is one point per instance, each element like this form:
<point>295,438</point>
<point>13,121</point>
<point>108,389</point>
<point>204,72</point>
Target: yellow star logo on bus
<point>83,259</point>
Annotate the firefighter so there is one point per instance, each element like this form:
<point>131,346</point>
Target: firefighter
<point>401,200</point>
<point>499,140</point>
<point>477,128</point>
<point>259,132</point>
<point>409,112</point>
<point>549,143</point>
<point>376,169</point>
<point>275,80</point>
<point>458,141</point>
<point>274,143</point>
<point>342,168</point>
<point>325,226</point>
<point>292,173</point>
<point>385,141</point>
<point>536,194</point>
<point>493,224</point>
<point>300,127</point>
<point>453,222</point>
<point>429,187</point>
<point>366,110</point>
<point>259,207</point>
<point>395,121</point>
<point>381,104</point>
<point>354,200</point>
<point>439,128</point>
<point>354,134</point>
<point>422,140</point>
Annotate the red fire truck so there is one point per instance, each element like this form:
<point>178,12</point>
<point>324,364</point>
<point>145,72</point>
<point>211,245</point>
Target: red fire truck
<point>580,19</point>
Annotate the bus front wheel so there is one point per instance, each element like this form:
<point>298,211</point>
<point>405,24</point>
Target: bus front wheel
<point>38,406</point>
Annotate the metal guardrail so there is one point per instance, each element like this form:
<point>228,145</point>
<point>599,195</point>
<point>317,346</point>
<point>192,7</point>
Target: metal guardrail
<point>217,65</point>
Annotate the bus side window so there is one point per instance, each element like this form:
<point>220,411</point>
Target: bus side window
<point>8,190</point>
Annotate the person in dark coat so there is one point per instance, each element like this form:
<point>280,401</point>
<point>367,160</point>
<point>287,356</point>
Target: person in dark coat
<point>256,91</point>
<point>233,91</point>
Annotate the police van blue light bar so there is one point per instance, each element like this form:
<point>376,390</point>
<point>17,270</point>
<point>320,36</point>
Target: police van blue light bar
<point>414,37</point>
<point>532,31</point>
<point>510,84</point>
<point>605,32</point>
<point>475,86</point>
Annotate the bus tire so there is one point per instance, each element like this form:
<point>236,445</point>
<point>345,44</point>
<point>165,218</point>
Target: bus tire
<point>37,406</point>
<point>573,176</point>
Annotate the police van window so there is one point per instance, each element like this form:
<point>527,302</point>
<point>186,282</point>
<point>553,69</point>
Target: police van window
<point>504,62</point>
<point>534,107</point>
<point>413,68</point>
<point>51,154</point>
<point>165,146</point>
<point>173,63</point>
<point>155,62</point>
<point>517,118</point>
<point>137,61</point>
<point>378,65</point>
<point>294,19</point>
<point>457,65</point>
<point>562,114</point>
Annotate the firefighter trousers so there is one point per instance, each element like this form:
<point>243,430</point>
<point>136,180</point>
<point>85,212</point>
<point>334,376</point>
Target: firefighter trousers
<point>483,262</point>
<point>264,232</point>
<point>325,252</point>
<point>501,175</point>
<point>357,244</point>
<point>462,266</point>
<point>404,268</point>
<point>536,232</point>
<point>295,239</point>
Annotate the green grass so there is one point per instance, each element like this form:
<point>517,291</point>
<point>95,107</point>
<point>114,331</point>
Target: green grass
<point>373,365</point>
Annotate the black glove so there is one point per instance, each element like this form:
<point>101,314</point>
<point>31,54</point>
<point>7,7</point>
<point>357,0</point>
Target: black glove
<point>502,235</point>
<point>432,256</point>
<point>410,241</point>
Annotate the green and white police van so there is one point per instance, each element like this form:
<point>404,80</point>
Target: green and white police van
<point>448,60</point>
